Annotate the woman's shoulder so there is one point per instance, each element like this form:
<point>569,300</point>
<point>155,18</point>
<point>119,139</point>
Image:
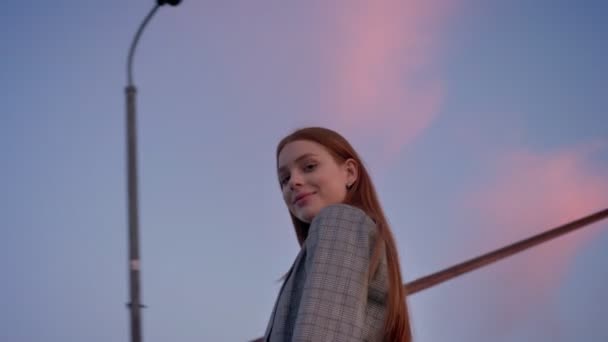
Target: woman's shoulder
<point>343,215</point>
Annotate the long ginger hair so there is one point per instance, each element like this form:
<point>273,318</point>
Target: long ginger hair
<point>363,195</point>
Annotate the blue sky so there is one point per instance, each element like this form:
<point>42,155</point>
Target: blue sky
<point>482,123</point>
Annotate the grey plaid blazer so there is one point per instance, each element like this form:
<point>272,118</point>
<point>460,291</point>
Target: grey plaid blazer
<point>327,295</point>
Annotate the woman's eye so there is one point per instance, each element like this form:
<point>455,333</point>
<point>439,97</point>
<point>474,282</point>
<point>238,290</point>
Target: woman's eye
<point>283,180</point>
<point>310,167</point>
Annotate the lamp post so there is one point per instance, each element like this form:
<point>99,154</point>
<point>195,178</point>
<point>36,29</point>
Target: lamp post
<point>133,211</point>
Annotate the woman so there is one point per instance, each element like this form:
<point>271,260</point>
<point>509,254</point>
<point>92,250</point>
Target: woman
<point>345,284</point>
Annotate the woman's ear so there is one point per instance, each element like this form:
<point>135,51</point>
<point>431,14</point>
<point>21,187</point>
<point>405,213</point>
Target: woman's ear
<point>352,171</point>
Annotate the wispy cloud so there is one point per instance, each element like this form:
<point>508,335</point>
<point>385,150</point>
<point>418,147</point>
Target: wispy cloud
<point>530,193</point>
<point>385,84</point>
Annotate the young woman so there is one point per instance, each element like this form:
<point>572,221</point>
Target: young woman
<point>345,284</point>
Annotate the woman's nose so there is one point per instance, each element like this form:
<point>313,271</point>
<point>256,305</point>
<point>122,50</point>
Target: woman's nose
<point>295,180</point>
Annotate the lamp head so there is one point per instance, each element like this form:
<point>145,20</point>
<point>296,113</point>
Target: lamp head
<point>170,2</point>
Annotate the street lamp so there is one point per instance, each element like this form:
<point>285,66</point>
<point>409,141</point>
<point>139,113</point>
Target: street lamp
<point>134,262</point>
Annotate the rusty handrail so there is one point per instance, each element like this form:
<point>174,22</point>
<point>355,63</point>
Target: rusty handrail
<point>491,257</point>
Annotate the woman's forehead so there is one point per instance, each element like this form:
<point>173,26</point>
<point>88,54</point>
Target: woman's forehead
<point>300,149</point>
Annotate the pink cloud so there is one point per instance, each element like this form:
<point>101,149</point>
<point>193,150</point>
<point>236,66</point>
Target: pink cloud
<point>385,83</point>
<point>531,193</point>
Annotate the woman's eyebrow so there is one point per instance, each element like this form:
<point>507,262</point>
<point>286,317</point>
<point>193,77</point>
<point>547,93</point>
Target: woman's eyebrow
<point>305,155</point>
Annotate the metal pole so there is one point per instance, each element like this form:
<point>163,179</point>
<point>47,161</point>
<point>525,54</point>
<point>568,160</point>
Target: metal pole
<point>134,263</point>
<point>496,255</point>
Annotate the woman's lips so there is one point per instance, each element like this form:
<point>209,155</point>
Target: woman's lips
<point>303,198</point>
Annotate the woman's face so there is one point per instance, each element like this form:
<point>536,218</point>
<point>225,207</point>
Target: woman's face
<point>311,179</point>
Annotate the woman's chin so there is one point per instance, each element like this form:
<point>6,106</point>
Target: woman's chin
<point>306,214</point>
